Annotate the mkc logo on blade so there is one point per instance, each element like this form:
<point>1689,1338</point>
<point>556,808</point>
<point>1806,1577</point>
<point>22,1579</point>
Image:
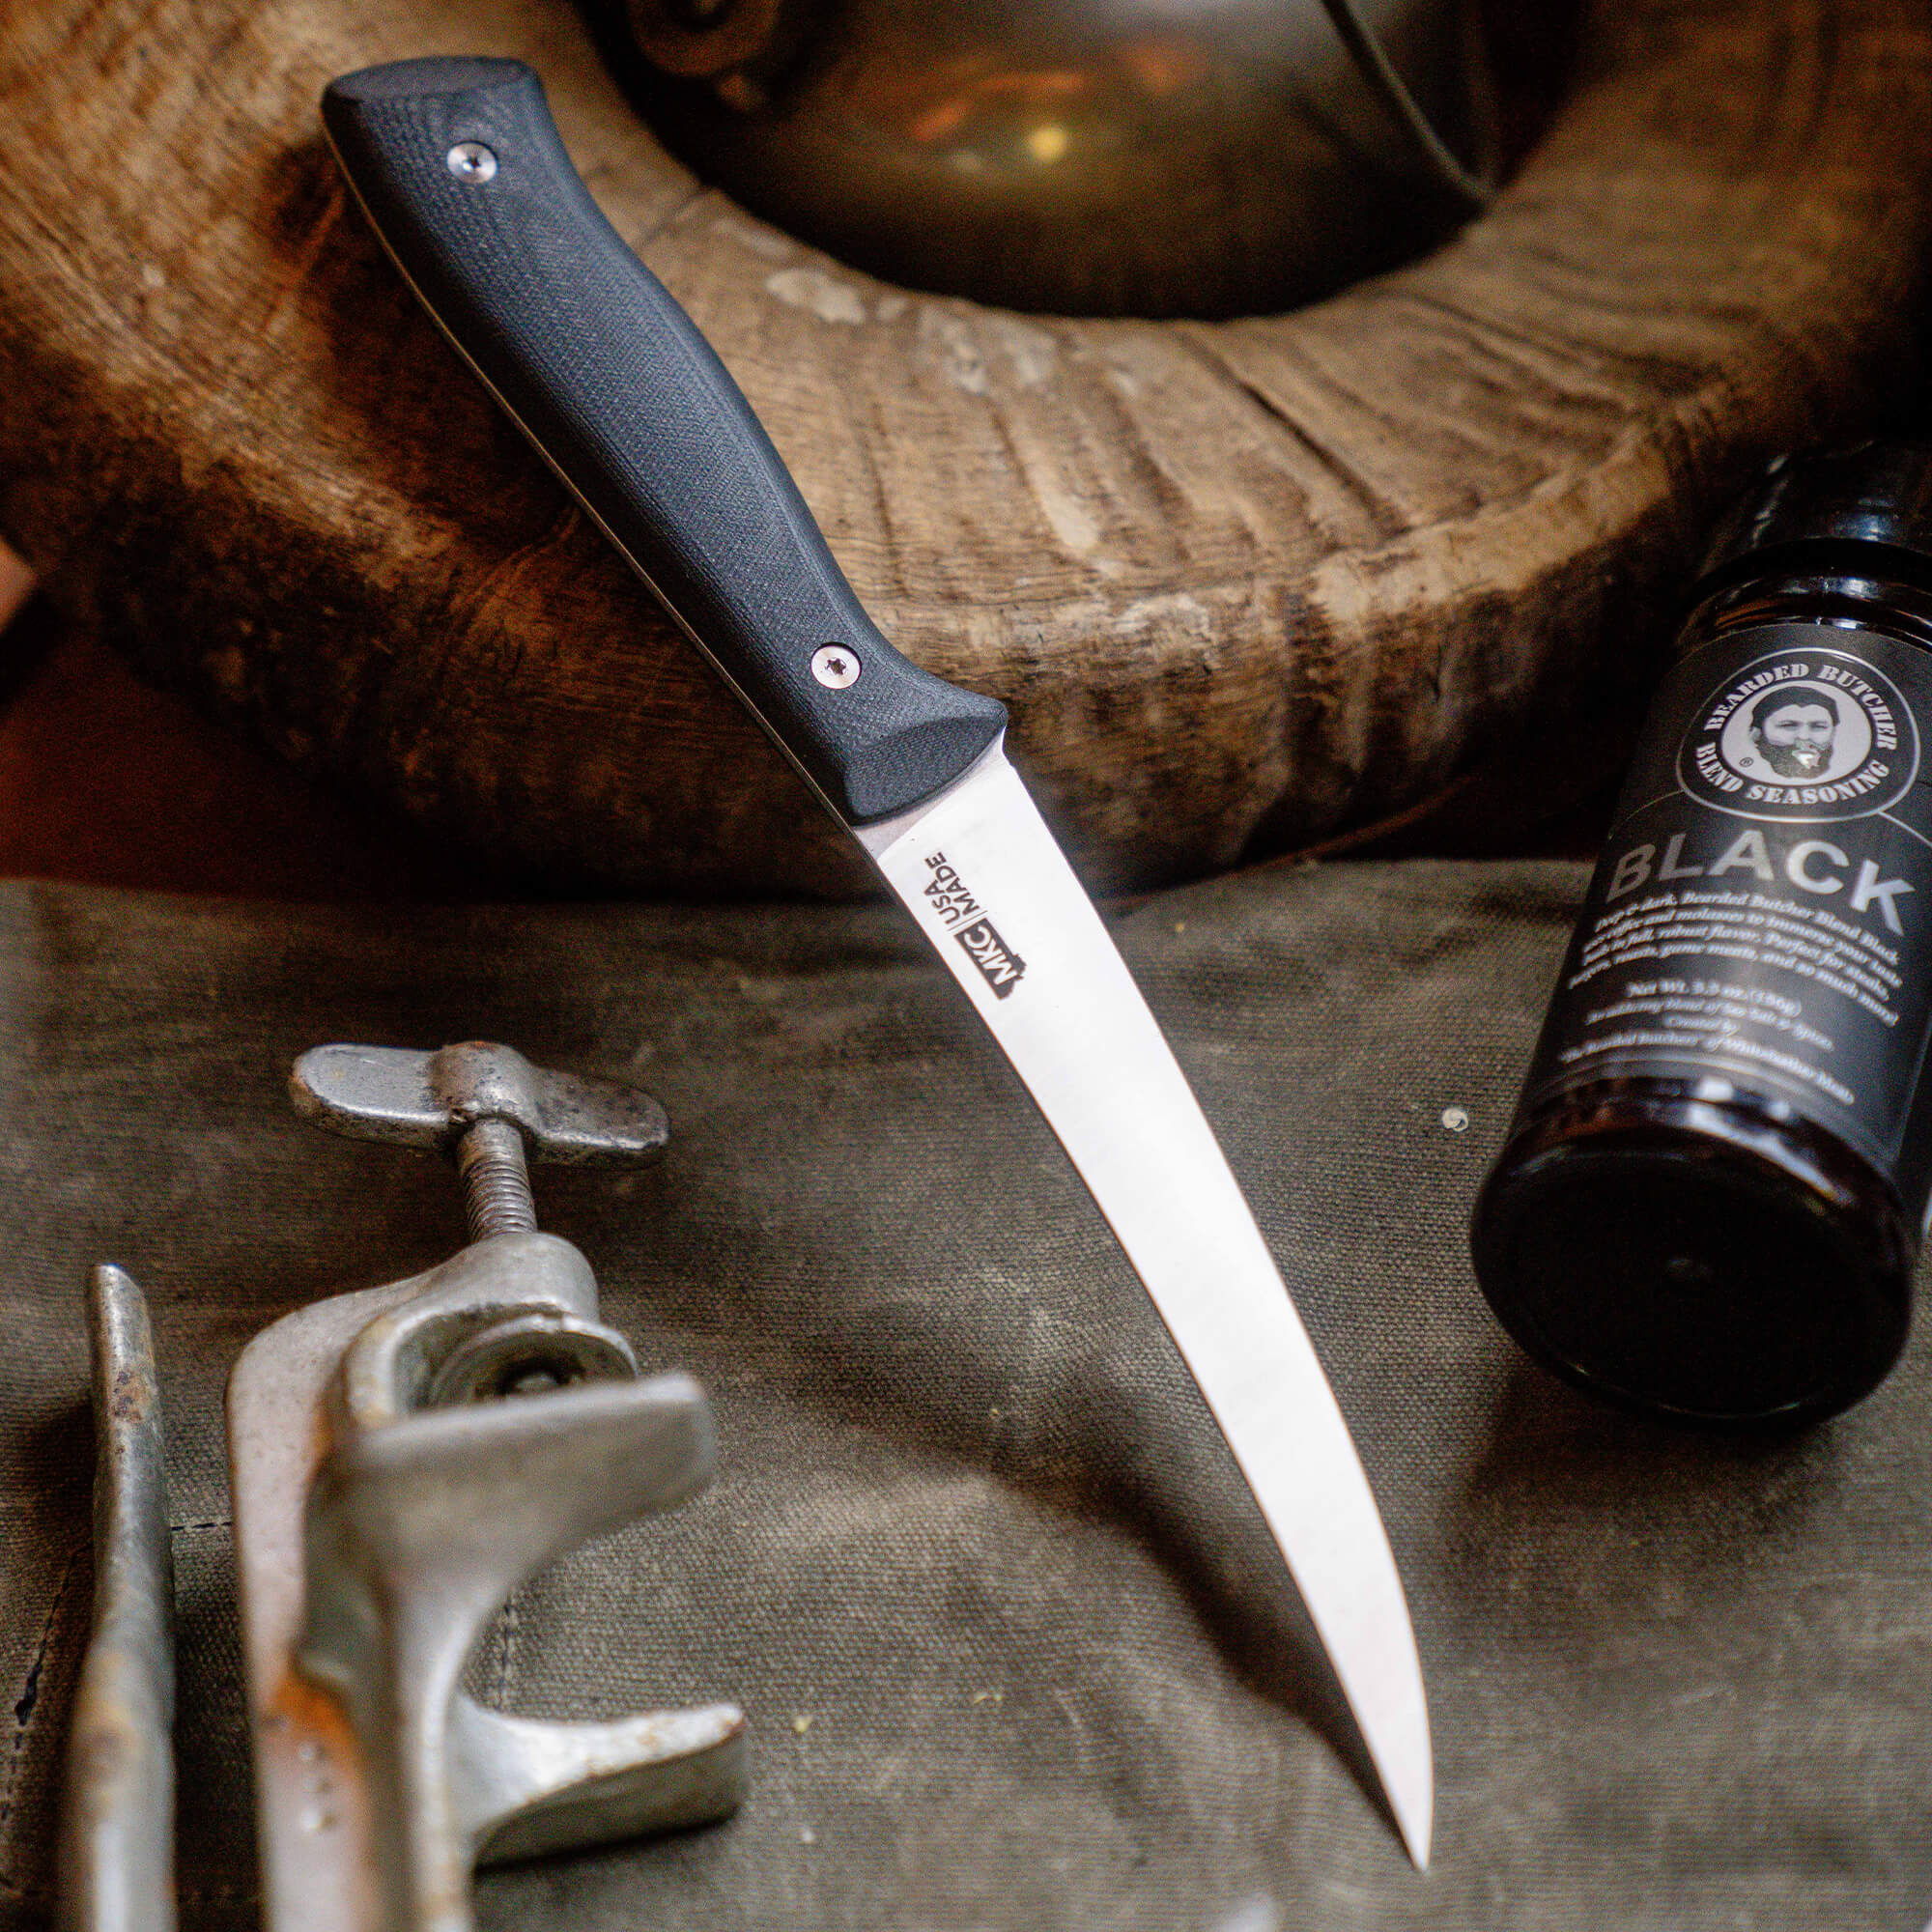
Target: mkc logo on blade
<point>961,915</point>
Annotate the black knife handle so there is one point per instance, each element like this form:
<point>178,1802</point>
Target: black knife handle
<point>610,380</point>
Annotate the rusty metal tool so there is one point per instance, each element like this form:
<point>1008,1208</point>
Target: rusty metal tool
<point>402,1458</point>
<point>117,1827</point>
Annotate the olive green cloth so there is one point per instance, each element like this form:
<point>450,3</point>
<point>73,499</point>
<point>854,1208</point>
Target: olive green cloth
<point>1014,1646</point>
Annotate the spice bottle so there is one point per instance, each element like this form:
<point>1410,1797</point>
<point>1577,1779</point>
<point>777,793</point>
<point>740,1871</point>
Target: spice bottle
<point>1712,1198</point>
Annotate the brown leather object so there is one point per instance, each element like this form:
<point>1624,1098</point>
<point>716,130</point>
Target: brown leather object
<point>1243,585</point>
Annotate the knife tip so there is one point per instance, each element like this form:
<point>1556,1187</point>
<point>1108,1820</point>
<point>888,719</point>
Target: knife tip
<point>1415,1818</point>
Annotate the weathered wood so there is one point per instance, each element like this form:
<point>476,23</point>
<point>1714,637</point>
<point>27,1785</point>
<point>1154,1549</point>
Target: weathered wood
<point>1243,585</point>
<point>16,584</point>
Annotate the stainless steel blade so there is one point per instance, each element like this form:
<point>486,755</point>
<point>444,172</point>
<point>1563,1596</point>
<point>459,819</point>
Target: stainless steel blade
<point>990,889</point>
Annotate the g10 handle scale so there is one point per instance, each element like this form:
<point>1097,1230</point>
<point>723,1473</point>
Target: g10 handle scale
<point>461,169</point>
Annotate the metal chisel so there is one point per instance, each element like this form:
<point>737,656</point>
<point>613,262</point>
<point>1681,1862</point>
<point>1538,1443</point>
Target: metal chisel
<point>460,167</point>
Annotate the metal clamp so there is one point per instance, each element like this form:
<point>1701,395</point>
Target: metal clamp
<point>404,1458</point>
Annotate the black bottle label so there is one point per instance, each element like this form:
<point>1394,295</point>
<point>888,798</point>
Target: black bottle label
<point>1762,913</point>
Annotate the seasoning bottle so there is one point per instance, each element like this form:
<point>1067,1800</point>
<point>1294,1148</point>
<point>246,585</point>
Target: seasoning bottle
<point>1712,1194</point>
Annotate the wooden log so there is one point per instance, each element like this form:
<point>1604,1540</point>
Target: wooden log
<point>1243,585</point>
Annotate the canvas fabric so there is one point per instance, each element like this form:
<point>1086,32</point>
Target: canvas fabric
<point>1016,1648</point>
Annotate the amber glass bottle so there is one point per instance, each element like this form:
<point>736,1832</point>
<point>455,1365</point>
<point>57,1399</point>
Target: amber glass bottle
<point>1712,1197</point>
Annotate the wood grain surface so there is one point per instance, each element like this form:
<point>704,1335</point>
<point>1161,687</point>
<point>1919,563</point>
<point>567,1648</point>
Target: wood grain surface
<point>1243,584</point>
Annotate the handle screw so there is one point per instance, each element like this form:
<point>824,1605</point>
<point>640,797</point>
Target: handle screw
<point>471,163</point>
<point>835,667</point>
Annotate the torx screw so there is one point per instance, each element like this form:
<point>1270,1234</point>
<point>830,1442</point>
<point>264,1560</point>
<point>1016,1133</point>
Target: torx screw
<point>836,667</point>
<point>471,163</point>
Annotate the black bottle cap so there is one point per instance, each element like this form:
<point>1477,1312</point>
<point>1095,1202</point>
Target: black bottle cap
<point>1864,509</point>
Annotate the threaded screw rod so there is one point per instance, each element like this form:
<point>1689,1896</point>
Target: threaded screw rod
<point>496,1197</point>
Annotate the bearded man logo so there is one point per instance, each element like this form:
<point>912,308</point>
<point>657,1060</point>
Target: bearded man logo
<point>1825,735</point>
<point>1792,734</point>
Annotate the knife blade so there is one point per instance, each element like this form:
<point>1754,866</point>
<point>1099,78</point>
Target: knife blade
<point>463,175</point>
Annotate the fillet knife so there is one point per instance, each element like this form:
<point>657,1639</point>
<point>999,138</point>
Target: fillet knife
<point>459,168</point>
